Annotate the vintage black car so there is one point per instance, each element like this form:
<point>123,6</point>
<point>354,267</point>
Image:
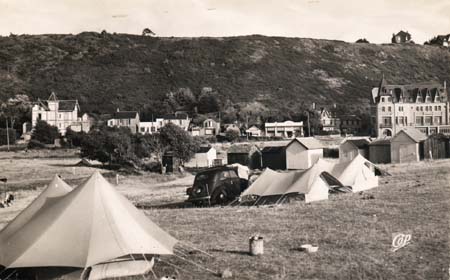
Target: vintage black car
<point>216,185</point>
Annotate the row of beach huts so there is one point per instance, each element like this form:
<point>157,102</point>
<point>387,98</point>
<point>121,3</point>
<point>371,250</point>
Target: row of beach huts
<point>408,145</point>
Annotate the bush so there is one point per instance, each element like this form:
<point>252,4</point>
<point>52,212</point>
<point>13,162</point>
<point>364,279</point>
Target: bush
<point>232,135</point>
<point>35,144</point>
<point>45,133</point>
<point>73,138</point>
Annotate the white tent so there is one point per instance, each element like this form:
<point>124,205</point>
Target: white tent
<point>56,188</point>
<point>314,183</point>
<point>308,183</point>
<point>90,225</point>
<point>359,174</point>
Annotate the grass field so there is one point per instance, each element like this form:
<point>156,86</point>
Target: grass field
<point>354,235</point>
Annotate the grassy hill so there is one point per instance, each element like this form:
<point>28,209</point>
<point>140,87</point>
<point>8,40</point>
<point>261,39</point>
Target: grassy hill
<point>106,71</point>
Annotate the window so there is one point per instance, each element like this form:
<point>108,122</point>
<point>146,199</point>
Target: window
<point>437,120</point>
<point>387,121</point>
<point>389,108</point>
<point>419,120</point>
<point>421,108</point>
<point>396,120</point>
<point>142,129</point>
<point>382,99</point>
<point>426,108</point>
<point>389,99</point>
<point>224,175</point>
<point>60,116</point>
<point>428,120</point>
<point>233,174</point>
<point>435,108</point>
<point>383,109</point>
<point>400,108</point>
<point>417,108</point>
<point>406,120</point>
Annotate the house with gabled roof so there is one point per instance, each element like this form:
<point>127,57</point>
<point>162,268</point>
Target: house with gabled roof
<point>401,37</point>
<point>128,119</point>
<point>62,114</point>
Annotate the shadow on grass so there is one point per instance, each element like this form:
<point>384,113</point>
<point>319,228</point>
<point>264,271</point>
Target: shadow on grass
<point>176,205</point>
<point>235,252</point>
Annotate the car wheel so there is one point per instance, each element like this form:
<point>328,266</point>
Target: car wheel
<point>220,197</point>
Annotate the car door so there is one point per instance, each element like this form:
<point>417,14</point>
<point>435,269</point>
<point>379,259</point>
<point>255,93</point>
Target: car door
<point>235,184</point>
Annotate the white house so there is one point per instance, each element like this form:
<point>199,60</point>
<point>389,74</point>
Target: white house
<point>203,158</point>
<point>302,153</point>
<point>254,131</point>
<point>128,119</point>
<point>151,127</point>
<point>210,127</point>
<point>61,114</point>
<point>287,129</point>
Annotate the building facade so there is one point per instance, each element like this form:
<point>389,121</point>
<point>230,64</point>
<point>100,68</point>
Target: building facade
<point>180,119</point>
<point>422,106</point>
<point>287,129</point>
<point>128,119</point>
<point>62,114</point>
<point>151,127</point>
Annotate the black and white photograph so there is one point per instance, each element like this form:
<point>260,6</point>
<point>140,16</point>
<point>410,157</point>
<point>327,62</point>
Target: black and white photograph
<point>224,139</point>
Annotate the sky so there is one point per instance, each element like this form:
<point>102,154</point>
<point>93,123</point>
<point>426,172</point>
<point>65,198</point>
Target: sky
<point>346,20</point>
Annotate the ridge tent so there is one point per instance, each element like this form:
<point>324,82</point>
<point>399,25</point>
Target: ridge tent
<point>313,184</point>
<point>91,225</point>
<point>276,185</point>
<point>359,174</point>
<point>56,188</point>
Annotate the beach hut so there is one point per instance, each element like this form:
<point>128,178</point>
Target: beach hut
<point>407,146</point>
<point>380,151</point>
<point>302,153</point>
<point>350,148</point>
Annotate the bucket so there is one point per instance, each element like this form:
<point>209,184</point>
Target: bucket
<point>256,244</point>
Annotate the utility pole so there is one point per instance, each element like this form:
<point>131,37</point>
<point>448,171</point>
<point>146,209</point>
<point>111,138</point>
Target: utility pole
<point>7,133</point>
<point>309,126</point>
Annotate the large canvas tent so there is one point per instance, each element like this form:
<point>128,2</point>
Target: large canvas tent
<point>359,174</point>
<point>56,188</point>
<point>309,184</point>
<point>91,225</point>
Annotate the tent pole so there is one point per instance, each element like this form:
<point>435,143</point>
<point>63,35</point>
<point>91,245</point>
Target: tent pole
<point>281,197</point>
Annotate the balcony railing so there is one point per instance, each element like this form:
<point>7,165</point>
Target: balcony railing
<point>385,125</point>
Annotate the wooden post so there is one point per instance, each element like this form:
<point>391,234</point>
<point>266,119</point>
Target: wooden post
<point>7,133</point>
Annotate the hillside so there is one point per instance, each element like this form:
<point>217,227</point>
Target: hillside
<point>106,71</point>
